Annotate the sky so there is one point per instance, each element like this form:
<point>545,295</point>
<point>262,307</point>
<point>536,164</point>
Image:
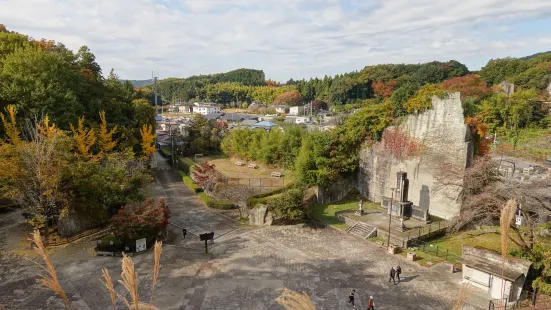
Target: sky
<point>285,38</point>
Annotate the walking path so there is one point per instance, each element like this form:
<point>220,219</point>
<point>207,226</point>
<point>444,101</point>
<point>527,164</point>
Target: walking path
<point>244,269</point>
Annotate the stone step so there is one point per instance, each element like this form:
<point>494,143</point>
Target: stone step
<point>361,229</point>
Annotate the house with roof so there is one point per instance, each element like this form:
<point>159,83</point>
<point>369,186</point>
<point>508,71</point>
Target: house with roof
<point>206,108</point>
<point>266,125</point>
<point>237,117</point>
<point>482,269</point>
<point>282,109</point>
<point>248,122</point>
<point>298,110</point>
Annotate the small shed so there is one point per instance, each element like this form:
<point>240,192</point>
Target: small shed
<point>482,268</point>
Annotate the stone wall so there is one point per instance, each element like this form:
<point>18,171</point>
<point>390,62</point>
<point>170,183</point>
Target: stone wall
<point>335,192</point>
<point>444,140</point>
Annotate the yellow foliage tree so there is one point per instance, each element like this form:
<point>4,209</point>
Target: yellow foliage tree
<point>148,137</point>
<point>84,138</point>
<point>10,125</point>
<point>423,98</point>
<point>105,136</point>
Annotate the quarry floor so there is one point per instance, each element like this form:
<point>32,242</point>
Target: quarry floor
<point>243,270</point>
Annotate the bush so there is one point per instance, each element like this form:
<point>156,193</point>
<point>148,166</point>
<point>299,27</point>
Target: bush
<point>212,203</point>
<point>290,205</point>
<point>142,220</point>
<point>185,164</point>
<point>258,198</point>
<point>188,181</point>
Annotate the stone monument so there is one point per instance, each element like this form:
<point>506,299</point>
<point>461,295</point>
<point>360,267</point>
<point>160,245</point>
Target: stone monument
<point>360,210</point>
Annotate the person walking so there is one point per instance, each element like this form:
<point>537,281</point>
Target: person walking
<point>398,272</point>
<point>351,298</point>
<point>392,275</point>
<point>371,303</point>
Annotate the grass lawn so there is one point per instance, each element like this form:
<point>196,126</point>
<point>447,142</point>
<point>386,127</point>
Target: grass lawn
<point>486,237</point>
<point>326,212</point>
<point>227,167</point>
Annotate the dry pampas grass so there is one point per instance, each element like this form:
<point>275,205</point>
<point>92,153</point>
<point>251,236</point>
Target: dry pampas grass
<point>129,278</point>
<point>158,250</point>
<point>463,296</point>
<point>292,300</point>
<point>507,214</point>
<point>49,280</point>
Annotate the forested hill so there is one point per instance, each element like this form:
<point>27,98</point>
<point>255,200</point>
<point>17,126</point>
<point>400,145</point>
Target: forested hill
<point>535,55</point>
<point>140,83</point>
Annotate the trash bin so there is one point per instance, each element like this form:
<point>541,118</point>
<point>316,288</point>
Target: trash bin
<point>411,256</point>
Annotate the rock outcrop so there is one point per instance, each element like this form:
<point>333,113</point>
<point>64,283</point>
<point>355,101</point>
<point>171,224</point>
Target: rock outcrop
<point>445,141</point>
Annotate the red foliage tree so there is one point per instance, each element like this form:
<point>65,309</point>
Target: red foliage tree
<point>383,89</point>
<point>141,220</point>
<point>479,130</point>
<point>399,144</point>
<point>272,83</point>
<point>471,86</point>
<point>291,98</point>
<point>205,176</point>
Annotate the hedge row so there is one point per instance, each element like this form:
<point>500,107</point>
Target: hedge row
<point>188,181</point>
<point>212,203</point>
<point>262,198</point>
<point>185,164</point>
<point>209,201</point>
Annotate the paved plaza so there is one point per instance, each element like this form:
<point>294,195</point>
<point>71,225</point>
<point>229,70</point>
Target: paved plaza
<point>244,269</point>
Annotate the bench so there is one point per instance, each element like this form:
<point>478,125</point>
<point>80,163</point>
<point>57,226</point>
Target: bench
<point>252,165</point>
<point>276,174</point>
<point>239,163</point>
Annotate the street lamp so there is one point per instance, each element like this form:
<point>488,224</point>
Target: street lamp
<point>390,217</point>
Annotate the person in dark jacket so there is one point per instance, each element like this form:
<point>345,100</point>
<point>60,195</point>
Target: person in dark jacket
<point>392,275</point>
<point>398,273</point>
<point>351,298</point>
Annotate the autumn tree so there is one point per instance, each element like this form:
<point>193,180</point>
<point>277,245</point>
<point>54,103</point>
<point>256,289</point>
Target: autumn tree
<point>384,90</point>
<point>84,138</point>
<point>105,136</point>
<point>141,220</point>
<point>148,139</point>
<point>470,86</point>
<point>423,98</point>
<point>479,131</point>
<point>291,98</point>
<point>205,175</point>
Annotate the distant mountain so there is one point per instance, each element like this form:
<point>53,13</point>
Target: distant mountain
<point>534,56</point>
<point>140,83</point>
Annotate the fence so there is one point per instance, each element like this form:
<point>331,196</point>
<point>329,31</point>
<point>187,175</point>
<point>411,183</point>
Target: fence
<point>434,250</point>
<point>426,232</point>
<point>527,300</point>
<point>253,182</point>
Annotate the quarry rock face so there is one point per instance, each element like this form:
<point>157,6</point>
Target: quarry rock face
<point>444,141</point>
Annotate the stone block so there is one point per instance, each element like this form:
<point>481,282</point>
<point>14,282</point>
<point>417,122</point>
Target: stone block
<point>411,256</point>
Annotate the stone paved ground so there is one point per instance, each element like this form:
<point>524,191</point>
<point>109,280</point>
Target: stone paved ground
<point>244,269</point>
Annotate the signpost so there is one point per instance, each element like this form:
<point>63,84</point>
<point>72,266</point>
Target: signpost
<point>206,237</point>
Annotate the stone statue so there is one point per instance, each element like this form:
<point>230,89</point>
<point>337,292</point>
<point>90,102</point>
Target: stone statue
<point>360,210</point>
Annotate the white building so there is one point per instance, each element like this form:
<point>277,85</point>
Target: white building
<point>302,120</point>
<point>296,110</point>
<point>206,109</point>
<point>482,269</point>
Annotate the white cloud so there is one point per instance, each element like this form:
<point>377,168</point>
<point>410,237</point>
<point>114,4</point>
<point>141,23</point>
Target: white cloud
<point>285,38</point>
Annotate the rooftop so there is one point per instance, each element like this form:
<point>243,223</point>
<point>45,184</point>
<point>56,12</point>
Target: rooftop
<point>265,124</point>
<point>490,262</point>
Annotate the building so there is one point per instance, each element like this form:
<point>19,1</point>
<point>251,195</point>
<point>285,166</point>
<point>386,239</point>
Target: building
<point>205,109</point>
<point>266,125</point>
<point>237,117</point>
<point>282,109</point>
<point>298,110</point>
<point>302,120</point>
<point>248,122</point>
<point>184,108</point>
<point>482,269</point>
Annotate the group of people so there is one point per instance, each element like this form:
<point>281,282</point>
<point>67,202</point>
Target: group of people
<point>394,273</point>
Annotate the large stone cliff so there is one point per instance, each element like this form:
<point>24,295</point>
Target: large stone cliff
<point>445,142</point>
